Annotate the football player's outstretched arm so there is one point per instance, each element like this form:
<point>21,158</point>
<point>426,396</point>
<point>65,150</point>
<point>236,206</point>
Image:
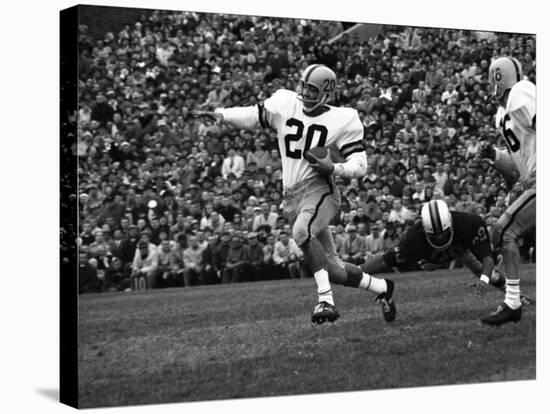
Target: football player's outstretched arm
<point>246,117</point>
<point>249,117</point>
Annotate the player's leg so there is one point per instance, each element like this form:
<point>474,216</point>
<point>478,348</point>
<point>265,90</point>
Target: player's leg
<point>315,207</point>
<point>519,217</point>
<point>348,274</point>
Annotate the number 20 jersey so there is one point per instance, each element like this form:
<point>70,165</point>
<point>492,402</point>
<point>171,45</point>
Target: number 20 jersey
<point>297,132</point>
<point>518,125</point>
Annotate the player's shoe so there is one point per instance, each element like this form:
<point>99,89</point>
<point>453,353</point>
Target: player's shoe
<point>502,315</point>
<point>324,312</point>
<point>386,301</point>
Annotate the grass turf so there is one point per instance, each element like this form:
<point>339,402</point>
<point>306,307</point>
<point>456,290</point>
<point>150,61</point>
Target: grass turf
<point>256,340</point>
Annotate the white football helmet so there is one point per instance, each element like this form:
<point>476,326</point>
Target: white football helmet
<point>504,73</point>
<point>438,224</point>
<point>317,86</point>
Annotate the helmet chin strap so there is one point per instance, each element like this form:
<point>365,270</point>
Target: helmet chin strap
<point>323,100</point>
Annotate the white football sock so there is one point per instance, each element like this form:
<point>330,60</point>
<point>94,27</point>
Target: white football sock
<point>373,284</point>
<point>512,298</point>
<point>323,286</point>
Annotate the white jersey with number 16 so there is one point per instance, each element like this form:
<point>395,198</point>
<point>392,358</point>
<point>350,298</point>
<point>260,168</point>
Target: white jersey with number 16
<point>518,125</point>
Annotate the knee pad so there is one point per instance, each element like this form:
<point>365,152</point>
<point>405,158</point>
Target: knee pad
<point>300,233</point>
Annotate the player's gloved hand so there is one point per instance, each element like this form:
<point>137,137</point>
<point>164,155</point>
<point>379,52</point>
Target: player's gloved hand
<point>213,116</point>
<point>487,151</point>
<point>322,165</point>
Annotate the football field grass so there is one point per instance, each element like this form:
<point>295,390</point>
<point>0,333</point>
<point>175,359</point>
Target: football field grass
<point>257,340</point>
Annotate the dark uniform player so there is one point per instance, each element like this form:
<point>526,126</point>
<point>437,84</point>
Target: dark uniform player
<point>439,238</point>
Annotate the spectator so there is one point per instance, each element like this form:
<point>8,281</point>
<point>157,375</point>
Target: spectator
<point>353,247</point>
<point>88,281</point>
<point>117,277</point>
<point>146,263</point>
<point>233,164</point>
<point>136,138</point>
<point>208,264</point>
<point>235,261</point>
<point>374,243</point>
<point>287,255</point>
<point>170,272</point>
<point>255,258</point>
<point>440,177</point>
<point>399,213</point>
<point>260,157</point>
<point>192,262</point>
<point>128,246</point>
<point>265,217</point>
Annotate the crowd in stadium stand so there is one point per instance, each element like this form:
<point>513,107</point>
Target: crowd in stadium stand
<point>184,201</point>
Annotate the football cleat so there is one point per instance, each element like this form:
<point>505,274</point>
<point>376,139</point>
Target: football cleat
<point>502,315</point>
<point>386,302</point>
<point>324,312</point>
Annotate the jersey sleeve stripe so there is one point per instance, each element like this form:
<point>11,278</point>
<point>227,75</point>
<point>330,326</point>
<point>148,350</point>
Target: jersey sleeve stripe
<point>349,145</point>
<point>347,153</point>
<point>261,116</point>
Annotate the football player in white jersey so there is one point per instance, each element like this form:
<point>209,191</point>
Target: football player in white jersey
<point>516,118</point>
<point>304,120</point>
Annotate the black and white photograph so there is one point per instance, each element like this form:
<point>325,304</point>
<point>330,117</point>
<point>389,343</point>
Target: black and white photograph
<point>277,207</point>
<point>273,206</point>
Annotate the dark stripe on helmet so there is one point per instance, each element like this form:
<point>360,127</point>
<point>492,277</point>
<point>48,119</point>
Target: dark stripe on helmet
<point>435,217</point>
<point>306,78</point>
<point>518,75</point>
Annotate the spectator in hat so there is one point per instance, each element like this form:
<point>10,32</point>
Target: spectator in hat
<point>265,217</point>
<point>353,248</point>
<point>145,263</point>
<point>232,164</point>
<point>374,242</point>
